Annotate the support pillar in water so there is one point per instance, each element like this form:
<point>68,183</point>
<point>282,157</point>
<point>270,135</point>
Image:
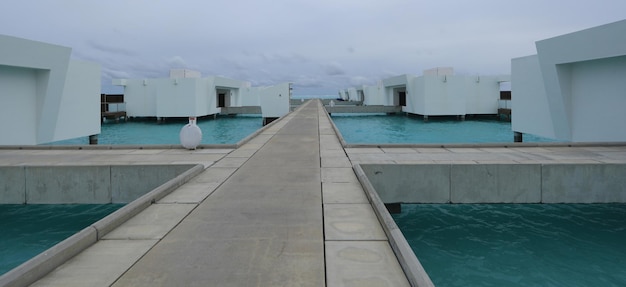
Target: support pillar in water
<point>517,137</point>
<point>425,118</point>
<point>93,139</point>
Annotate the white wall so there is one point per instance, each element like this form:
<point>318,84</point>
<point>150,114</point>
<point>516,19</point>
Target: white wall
<point>577,81</point>
<point>598,99</point>
<point>182,97</point>
<point>79,112</point>
<point>374,95</point>
<point>275,100</point>
<point>483,93</point>
<point>529,103</point>
<point>50,95</point>
<point>140,96</point>
<point>352,95</point>
<point>18,116</point>
<point>177,98</point>
<point>438,92</point>
<point>444,95</point>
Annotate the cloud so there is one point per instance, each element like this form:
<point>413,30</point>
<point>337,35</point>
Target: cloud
<point>313,44</point>
<point>360,80</point>
<point>177,62</point>
<point>333,69</point>
<point>117,50</point>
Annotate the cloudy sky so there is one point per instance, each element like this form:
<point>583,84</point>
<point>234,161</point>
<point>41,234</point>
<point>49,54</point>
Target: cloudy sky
<point>320,46</point>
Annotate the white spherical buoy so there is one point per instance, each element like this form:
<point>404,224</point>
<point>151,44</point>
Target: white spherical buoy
<point>190,134</point>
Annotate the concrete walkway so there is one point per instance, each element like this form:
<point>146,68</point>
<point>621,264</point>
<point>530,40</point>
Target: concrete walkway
<point>284,209</point>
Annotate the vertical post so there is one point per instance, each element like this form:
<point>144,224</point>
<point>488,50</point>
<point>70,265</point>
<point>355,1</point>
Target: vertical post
<point>517,137</point>
<point>93,139</point>
<point>425,118</point>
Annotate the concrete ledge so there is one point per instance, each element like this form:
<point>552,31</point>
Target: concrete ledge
<point>411,266</point>
<point>498,183</point>
<point>120,216</point>
<point>363,109</point>
<point>82,184</point>
<point>111,147</point>
<point>337,132</point>
<point>485,145</point>
<point>40,265</point>
<point>587,183</point>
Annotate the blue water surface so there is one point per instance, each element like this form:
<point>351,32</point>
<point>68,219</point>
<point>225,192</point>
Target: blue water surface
<point>29,229</point>
<point>518,244</point>
<point>222,130</point>
<point>398,128</point>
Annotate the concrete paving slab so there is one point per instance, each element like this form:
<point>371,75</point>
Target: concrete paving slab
<point>351,222</point>
<point>338,174</point>
<point>152,223</point>
<point>399,150</point>
<point>362,263</point>
<point>335,162</point>
<point>343,192</point>
<point>332,153</point>
<point>190,193</point>
<point>99,265</point>
<point>231,162</point>
<point>214,174</point>
<point>213,150</point>
<point>242,153</point>
<point>363,150</point>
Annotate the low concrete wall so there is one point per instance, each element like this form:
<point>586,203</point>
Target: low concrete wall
<point>240,110</point>
<point>42,264</point>
<point>363,109</point>
<point>82,184</point>
<point>498,183</point>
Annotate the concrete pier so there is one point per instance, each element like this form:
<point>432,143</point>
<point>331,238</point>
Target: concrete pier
<point>282,209</point>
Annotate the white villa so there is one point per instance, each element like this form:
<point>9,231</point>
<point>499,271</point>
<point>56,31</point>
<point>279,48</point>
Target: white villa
<point>45,95</point>
<point>574,89</point>
<point>438,92</point>
<point>186,94</point>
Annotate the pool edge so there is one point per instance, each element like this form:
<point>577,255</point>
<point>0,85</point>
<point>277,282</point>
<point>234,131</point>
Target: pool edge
<point>413,269</point>
<point>45,262</point>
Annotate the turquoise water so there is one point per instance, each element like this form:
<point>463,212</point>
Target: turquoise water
<point>29,229</point>
<point>380,129</point>
<point>223,130</point>
<point>518,244</point>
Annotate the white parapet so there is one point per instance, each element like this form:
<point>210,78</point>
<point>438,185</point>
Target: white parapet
<point>45,95</point>
<point>573,89</point>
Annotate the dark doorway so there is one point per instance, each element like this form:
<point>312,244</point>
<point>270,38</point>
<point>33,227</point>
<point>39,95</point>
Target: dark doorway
<point>402,99</point>
<point>221,100</point>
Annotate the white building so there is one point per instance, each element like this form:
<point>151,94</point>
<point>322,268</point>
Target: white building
<point>187,94</point>
<point>438,92</point>
<point>45,95</point>
<point>574,89</point>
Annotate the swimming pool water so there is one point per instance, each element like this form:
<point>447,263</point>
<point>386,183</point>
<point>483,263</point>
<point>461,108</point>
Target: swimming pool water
<point>29,229</point>
<point>518,244</point>
<point>381,129</point>
<point>223,130</point>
